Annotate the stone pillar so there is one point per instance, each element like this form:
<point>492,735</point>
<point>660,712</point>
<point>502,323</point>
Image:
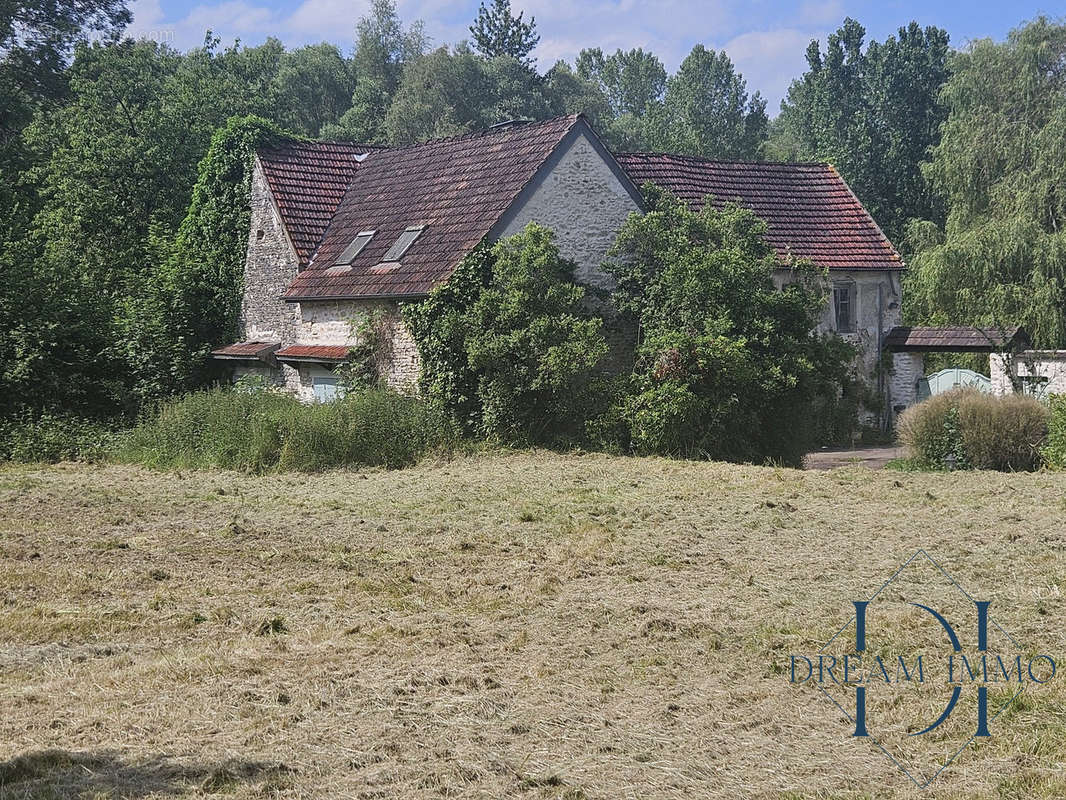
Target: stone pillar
<point>907,368</point>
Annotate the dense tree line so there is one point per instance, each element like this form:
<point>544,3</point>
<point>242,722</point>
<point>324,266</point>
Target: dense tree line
<point>110,180</point>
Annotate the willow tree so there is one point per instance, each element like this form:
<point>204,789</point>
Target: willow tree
<point>1000,259</point>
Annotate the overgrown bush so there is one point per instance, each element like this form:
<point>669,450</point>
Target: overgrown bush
<point>727,365</point>
<point>1055,450</point>
<point>51,438</point>
<point>265,431</point>
<point>969,429</point>
<point>507,347</point>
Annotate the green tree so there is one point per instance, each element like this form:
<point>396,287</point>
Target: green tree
<point>632,82</point>
<point>506,347</point>
<point>873,115</point>
<point>114,169</point>
<point>727,366</point>
<point>497,32</point>
<point>36,40</point>
<point>383,50</point>
<point>313,88</point>
<point>1000,166</point>
<point>707,112</point>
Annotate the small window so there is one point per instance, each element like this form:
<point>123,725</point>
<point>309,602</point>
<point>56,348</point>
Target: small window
<point>403,243</point>
<point>844,307</point>
<point>354,249</point>
<point>325,388</point>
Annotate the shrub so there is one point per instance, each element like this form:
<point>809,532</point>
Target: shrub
<point>265,431</point>
<point>975,430</point>
<point>727,366</point>
<point>1055,450</point>
<point>50,438</point>
<point>507,347</point>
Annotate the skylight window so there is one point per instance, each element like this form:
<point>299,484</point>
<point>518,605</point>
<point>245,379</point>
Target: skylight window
<point>355,248</point>
<point>403,243</point>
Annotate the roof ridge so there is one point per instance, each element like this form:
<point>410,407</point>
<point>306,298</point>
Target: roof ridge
<point>314,143</point>
<point>704,160</point>
<point>484,132</point>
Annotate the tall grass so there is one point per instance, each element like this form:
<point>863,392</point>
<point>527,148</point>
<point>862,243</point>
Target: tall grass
<point>54,437</point>
<point>1055,449</point>
<point>972,429</point>
<point>264,431</point>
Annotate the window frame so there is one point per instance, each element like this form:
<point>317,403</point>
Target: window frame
<point>849,294</point>
<point>400,247</point>
<point>352,251</point>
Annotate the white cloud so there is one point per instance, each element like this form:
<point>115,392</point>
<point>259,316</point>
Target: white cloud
<point>770,60</point>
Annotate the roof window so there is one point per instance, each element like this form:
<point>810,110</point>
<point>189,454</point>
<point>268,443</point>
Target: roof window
<point>360,241</point>
<point>403,243</point>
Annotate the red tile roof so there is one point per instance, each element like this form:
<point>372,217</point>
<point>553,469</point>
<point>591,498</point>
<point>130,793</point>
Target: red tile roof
<point>809,208</point>
<point>314,352</point>
<point>956,339</point>
<point>308,180</point>
<point>458,188</point>
<point>246,350</point>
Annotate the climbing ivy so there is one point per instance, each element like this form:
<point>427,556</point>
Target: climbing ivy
<point>507,349</point>
<point>191,302</point>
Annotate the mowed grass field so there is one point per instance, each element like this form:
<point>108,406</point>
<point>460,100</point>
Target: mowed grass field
<point>520,625</point>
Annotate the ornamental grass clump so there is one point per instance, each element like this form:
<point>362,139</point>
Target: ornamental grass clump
<point>969,429</point>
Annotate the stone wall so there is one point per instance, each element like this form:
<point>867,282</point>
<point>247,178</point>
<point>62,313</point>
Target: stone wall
<point>876,295</point>
<point>337,322</point>
<point>907,369</point>
<point>1030,364</point>
<point>585,204</point>
<point>270,266</point>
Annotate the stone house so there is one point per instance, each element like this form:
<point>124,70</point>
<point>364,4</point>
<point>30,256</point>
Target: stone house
<point>342,232</point>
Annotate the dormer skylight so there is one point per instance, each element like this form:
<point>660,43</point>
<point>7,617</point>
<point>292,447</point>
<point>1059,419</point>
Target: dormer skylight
<point>355,248</point>
<point>403,243</point>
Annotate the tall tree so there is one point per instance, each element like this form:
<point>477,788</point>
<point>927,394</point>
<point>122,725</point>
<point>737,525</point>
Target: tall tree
<point>382,50</point>
<point>313,88</point>
<point>1000,166</point>
<point>36,39</point>
<point>497,32</point>
<point>873,115</point>
<point>632,82</point>
<point>707,111</point>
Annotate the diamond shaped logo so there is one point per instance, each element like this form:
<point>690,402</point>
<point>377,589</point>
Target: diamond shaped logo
<point>921,670</point>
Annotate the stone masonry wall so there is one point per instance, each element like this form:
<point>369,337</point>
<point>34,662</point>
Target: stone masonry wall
<point>585,204</point>
<point>1050,364</point>
<point>270,266</point>
<point>331,322</point>
<point>867,285</point>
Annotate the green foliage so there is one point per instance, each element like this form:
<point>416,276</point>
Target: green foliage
<point>706,111</point>
<point>50,438</point>
<point>632,83</point>
<point>383,50</point>
<point>497,32</point>
<point>261,431</point>
<point>1000,259</point>
<point>873,115</point>
<point>727,366</point>
<point>507,349</point>
<point>969,429</point>
<point>1054,451</point>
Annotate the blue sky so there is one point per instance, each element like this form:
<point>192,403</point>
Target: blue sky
<point>765,38</point>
